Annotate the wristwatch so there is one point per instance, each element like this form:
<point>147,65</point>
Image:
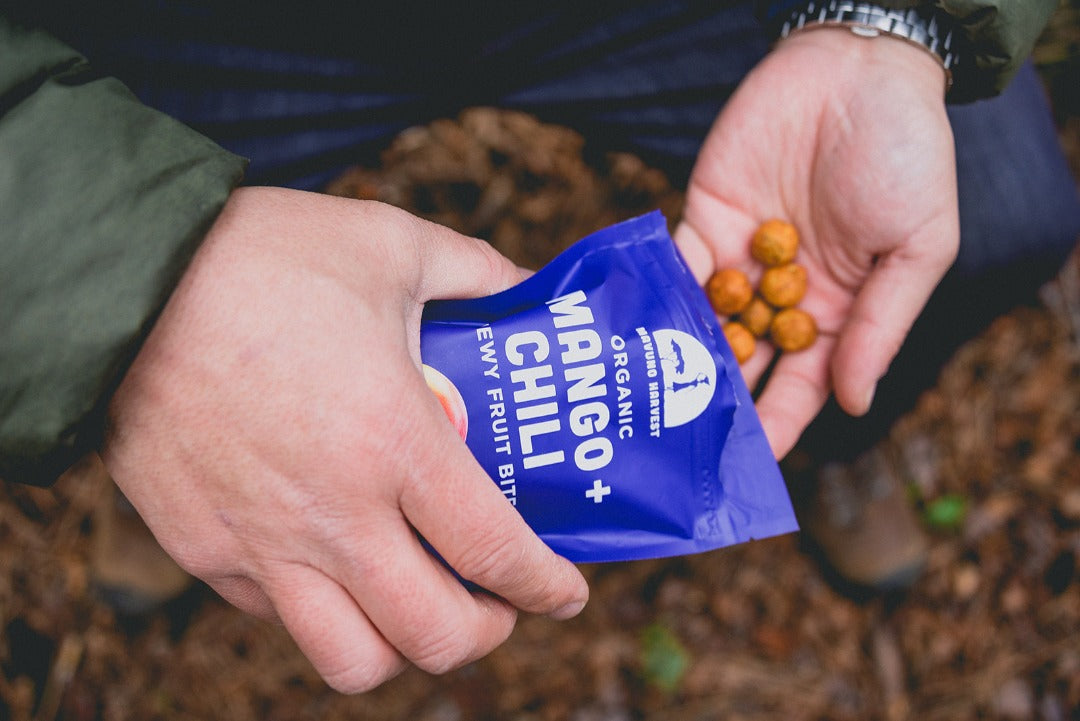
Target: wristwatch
<point>923,26</point>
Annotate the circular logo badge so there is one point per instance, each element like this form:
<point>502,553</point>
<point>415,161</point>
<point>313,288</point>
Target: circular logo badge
<point>689,375</point>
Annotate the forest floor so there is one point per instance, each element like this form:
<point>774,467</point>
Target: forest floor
<point>990,454</point>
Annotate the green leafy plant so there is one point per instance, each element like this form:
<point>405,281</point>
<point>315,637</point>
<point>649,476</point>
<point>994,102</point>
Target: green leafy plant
<point>947,512</point>
<point>664,659</point>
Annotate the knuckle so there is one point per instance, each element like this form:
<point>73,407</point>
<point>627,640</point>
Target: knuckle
<point>246,595</point>
<point>504,567</point>
<point>193,559</point>
<point>496,266</point>
<point>444,649</point>
<point>491,557</point>
<point>360,675</point>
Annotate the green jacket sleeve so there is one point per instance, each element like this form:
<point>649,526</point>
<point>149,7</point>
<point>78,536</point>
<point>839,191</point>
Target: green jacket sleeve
<point>997,36</point>
<point>102,203</point>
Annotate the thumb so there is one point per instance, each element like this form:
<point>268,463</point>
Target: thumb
<point>885,308</point>
<point>453,265</point>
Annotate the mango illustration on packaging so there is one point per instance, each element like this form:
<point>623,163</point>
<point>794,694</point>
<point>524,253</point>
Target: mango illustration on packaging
<point>450,399</point>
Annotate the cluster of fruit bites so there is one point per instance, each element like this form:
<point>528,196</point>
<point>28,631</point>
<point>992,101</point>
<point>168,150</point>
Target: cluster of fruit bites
<point>768,311</point>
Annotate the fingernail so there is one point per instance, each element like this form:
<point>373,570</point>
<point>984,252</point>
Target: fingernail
<point>868,399</point>
<point>568,611</point>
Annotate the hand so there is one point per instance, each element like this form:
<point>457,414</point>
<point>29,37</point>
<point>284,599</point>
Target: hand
<point>847,138</point>
<point>276,434</point>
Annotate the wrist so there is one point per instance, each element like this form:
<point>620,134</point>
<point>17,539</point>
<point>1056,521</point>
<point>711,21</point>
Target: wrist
<point>922,28</point>
<point>843,58</point>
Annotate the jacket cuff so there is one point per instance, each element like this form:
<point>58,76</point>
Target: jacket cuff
<point>103,201</point>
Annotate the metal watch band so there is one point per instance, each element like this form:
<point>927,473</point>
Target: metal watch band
<point>921,25</point>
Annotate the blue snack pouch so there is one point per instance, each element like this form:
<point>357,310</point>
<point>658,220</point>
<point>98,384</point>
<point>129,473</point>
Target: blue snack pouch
<point>602,398</point>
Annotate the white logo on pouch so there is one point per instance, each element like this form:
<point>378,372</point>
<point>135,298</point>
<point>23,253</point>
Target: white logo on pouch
<point>689,375</point>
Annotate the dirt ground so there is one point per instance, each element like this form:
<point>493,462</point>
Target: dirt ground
<point>990,455</point>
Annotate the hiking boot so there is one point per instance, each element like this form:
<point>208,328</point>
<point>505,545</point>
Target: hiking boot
<point>128,568</point>
<point>861,520</point>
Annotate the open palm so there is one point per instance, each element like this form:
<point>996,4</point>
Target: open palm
<point>848,139</point>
